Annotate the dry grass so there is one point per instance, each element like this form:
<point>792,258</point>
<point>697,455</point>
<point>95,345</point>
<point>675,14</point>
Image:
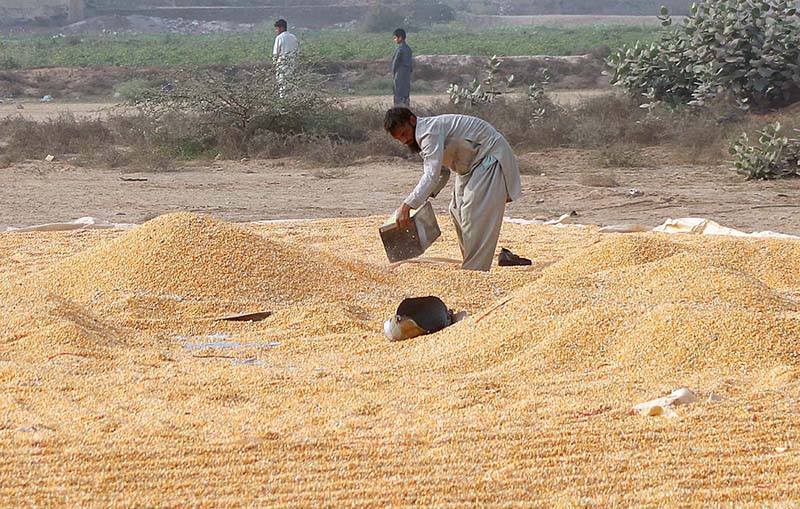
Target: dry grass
<point>118,391</point>
<point>598,180</point>
<point>619,155</point>
<point>25,139</point>
<point>612,126</point>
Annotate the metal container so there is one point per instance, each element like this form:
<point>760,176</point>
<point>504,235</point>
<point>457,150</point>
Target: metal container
<point>405,243</point>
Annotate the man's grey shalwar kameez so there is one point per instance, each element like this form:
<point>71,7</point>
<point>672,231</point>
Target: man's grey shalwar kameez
<point>487,176</point>
<point>401,75</point>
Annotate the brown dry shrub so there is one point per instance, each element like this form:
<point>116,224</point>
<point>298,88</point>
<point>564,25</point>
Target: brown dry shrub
<point>137,141</point>
<point>597,180</point>
<point>11,84</point>
<point>702,142</point>
<point>607,119</point>
<point>28,139</point>
<point>528,167</point>
<point>513,118</point>
<point>619,155</point>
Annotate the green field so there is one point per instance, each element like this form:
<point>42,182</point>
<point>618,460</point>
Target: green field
<point>178,50</point>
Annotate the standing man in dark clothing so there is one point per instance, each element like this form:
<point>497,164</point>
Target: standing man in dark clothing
<point>401,70</point>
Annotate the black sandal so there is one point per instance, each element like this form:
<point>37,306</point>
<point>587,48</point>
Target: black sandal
<point>507,259</point>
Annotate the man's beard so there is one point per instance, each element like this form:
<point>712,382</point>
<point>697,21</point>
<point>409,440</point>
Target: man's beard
<point>414,147</point>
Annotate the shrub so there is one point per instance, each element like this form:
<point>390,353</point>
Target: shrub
<point>745,48</point>
<point>608,119</point>
<point>775,155</point>
<point>8,63</point>
<point>483,92</point>
<point>239,103</point>
<point>27,139</point>
<point>131,91</point>
<point>619,155</point>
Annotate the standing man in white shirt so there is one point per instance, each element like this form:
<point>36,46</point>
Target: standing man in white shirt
<point>284,54</point>
<point>487,176</point>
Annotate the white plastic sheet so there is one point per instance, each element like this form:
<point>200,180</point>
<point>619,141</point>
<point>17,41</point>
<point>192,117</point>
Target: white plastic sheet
<point>690,225</point>
<point>702,226</point>
<point>82,223</point>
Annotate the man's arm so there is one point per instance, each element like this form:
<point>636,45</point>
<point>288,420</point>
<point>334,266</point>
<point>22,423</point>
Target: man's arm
<point>395,60</point>
<point>408,57</point>
<point>444,176</point>
<point>276,48</point>
<point>403,214</point>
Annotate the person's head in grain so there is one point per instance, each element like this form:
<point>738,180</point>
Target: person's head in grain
<point>281,26</point>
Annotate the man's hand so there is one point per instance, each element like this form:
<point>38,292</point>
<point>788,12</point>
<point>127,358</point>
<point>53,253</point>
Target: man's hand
<point>404,216</point>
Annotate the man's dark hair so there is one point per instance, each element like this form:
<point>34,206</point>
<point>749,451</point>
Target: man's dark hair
<point>396,117</point>
<point>400,33</point>
<point>281,23</point>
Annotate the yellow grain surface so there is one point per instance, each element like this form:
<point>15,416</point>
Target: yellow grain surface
<point>114,393</point>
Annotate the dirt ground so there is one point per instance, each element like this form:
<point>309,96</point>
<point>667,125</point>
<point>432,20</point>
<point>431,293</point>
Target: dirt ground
<point>557,182</point>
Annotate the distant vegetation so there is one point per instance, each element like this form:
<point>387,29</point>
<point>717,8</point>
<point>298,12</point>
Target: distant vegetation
<point>126,4</point>
<point>746,50</point>
<point>180,50</point>
<point>412,13</point>
<point>508,7</point>
<point>532,7</point>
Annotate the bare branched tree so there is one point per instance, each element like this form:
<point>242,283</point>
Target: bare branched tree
<point>248,100</point>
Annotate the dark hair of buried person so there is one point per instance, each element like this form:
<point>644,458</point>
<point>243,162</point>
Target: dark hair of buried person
<point>400,33</point>
<point>281,23</point>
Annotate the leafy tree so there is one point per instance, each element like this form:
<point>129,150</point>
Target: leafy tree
<point>746,49</point>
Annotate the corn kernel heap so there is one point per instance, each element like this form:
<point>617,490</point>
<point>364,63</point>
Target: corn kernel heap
<point>119,387</point>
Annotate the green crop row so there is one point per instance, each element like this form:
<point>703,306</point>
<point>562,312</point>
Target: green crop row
<point>178,50</point>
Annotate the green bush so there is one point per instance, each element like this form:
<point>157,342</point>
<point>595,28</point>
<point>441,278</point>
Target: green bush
<point>775,156</point>
<point>131,91</point>
<point>8,63</point>
<point>747,49</point>
<point>484,92</point>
